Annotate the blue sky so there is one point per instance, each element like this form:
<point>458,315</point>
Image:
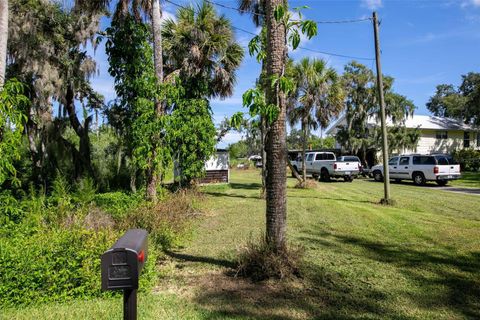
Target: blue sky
<point>424,43</point>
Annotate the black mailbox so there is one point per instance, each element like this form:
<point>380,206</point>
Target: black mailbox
<point>123,262</point>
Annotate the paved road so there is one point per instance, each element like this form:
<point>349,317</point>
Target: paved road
<point>474,191</point>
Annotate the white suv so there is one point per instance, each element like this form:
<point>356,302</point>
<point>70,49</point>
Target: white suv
<point>420,168</point>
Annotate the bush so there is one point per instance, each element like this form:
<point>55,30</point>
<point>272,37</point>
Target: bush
<point>259,261</point>
<point>118,204</point>
<point>56,264</point>
<point>167,221</point>
<point>469,159</point>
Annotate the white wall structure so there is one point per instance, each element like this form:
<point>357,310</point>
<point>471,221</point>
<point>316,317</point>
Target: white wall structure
<point>437,134</point>
<point>217,168</point>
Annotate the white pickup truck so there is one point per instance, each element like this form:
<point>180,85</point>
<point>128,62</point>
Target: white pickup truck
<point>326,166</point>
<point>420,168</point>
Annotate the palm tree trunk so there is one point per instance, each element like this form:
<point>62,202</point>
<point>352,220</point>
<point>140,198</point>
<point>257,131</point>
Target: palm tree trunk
<point>3,39</point>
<point>263,129</point>
<point>152,172</point>
<point>304,148</point>
<point>276,208</point>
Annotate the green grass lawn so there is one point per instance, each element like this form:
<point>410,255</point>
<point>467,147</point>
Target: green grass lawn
<point>417,260</point>
<point>469,179</point>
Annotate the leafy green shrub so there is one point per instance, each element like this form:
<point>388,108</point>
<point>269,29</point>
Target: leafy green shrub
<point>56,265</point>
<point>85,192</point>
<point>469,159</point>
<point>118,204</point>
<point>10,208</point>
<point>13,105</point>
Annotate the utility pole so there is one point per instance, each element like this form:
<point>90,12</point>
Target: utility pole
<point>386,175</point>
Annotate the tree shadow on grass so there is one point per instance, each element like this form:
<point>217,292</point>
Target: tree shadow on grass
<point>208,260</point>
<point>230,195</point>
<point>317,296</point>
<point>334,199</point>
<point>441,279</point>
<point>246,186</point>
<point>436,280</point>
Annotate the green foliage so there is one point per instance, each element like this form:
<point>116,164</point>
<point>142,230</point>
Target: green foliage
<point>51,266</point>
<point>13,105</point>
<point>117,204</point>
<point>200,47</point>
<point>167,221</point>
<point>238,150</point>
<point>85,191</point>
<point>61,197</point>
<point>462,102</point>
<point>56,264</point>
<point>469,159</point>
<point>191,135</point>
<point>134,114</point>
<point>361,104</point>
<point>295,141</point>
<point>10,209</point>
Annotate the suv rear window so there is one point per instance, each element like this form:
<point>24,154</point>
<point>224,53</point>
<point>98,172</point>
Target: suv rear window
<point>421,160</point>
<point>445,160</point>
<point>351,159</point>
<point>441,161</point>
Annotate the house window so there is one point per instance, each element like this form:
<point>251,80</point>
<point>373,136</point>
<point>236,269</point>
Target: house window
<point>441,135</point>
<point>466,139</point>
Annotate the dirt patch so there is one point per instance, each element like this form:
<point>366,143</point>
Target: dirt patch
<point>220,292</point>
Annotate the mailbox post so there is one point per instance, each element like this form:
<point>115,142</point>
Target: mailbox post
<point>121,268</point>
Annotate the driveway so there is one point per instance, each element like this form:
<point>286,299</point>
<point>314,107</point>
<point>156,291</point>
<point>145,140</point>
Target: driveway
<point>474,191</point>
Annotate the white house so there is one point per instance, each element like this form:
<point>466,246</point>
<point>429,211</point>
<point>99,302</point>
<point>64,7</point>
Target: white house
<point>437,134</point>
<point>217,169</point>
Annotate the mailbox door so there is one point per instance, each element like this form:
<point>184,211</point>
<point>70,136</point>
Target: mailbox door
<point>120,269</point>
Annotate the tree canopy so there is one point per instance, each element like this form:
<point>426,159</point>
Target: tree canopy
<point>462,102</point>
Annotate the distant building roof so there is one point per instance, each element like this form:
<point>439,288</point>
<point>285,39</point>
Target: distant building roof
<point>416,121</point>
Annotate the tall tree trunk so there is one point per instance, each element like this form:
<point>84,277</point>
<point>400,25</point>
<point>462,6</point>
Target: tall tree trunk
<point>263,129</point>
<point>3,39</point>
<point>85,163</point>
<point>152,172</point>
<point>276,209</point>
<point>304,148</point>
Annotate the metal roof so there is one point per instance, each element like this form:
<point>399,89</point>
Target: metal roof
<point>416,121</point>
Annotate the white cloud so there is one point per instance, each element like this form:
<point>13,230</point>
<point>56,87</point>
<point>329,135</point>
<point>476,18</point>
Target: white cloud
<point>235,101</point>
<point>468,3</point>
<point>229,138</point>
<point>373,4</point>
<point>166,15</point>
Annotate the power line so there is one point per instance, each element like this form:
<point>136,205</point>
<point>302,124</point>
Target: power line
<point>336,54</point>
<point>302,48</point>
<point>263,15</point>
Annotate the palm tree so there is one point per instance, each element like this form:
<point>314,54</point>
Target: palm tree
<point>256,8</point>
<point>3,39</point>
<point>200,48</point>
<point>318,98</point>
<point>276,198</point>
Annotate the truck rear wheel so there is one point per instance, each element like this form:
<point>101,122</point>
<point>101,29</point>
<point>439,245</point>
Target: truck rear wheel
<point>348,178</point>
<point>377,176</point>
<point>442,183</point>
<point>324,175</point>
